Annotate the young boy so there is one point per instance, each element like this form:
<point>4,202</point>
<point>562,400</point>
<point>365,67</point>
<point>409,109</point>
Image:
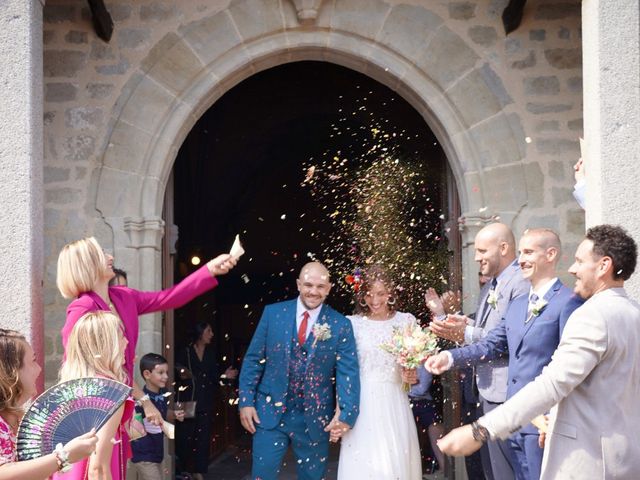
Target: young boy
<point>149,450</point>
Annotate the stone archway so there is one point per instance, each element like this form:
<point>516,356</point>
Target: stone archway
<point>407,48</point>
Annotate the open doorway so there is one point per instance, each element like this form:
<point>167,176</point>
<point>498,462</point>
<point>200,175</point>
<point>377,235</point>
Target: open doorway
<point>273,160</point>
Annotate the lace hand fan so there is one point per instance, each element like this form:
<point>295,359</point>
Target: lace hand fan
<point>66,411</point>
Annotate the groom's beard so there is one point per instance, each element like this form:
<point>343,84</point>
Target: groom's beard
<point>307,306</point>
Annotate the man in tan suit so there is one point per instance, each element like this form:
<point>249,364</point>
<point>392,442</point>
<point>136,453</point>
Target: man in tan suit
<point>593,377</point>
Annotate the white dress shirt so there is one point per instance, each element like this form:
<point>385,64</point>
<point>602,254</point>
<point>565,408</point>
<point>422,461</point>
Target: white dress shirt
<point>542,291</point>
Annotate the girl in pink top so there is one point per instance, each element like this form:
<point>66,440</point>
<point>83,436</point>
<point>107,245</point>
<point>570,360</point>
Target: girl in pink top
<point>18,374</point>
<point>95,348</point>
<point>84,271</point>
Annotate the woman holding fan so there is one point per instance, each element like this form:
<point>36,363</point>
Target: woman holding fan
<point>18,374</point>
<point>383,444</point>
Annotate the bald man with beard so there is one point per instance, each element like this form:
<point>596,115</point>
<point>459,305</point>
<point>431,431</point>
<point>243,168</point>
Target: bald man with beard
<point>495,252</point>
<point>301,360</point>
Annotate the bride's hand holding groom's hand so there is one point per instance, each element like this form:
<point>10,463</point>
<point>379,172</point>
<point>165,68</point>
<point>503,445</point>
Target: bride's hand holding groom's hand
<point>248,415</point>
<point>336,428</point>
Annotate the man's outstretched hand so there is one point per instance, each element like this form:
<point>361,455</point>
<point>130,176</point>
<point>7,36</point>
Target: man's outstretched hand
<point>459,442</point>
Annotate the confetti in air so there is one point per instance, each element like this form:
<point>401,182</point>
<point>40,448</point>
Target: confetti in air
<point>381,205</point>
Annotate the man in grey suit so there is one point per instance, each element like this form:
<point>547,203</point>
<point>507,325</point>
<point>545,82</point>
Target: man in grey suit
<point>593,377</point>
<point>495,251</point>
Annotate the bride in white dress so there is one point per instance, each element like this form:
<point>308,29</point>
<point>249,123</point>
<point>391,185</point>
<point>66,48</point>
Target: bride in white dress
<point>383,444</point>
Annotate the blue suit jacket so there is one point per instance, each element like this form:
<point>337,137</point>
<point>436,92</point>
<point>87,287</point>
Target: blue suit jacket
<point>529,345</point>
<point>332,369</point>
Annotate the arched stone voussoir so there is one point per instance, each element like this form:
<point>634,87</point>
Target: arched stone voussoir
<point>211,37</point>
<point>350,16</point>
<point>152,195</point>
<point>127,148</point>
<point>119,192</point>
<point>177,67</point>
<point>447,58</point>
<point>473,99</point>
<point>148,105</point>
<point>408,29</point>
<point>256,18</point>
<point>495,142</point>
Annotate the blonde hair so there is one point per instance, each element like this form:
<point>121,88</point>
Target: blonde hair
<point>95,348</point>
<point>80,265</point>
<point>12,351</point>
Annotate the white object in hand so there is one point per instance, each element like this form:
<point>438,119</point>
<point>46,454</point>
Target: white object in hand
<point>236,249</point>
<point>168,429</point>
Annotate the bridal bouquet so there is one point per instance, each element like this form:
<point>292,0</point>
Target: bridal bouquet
<point>411,346</point>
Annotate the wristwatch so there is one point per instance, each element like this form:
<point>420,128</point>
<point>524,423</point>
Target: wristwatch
<point>143,399</point>
<point>62,457</point>
<point>480,433</point>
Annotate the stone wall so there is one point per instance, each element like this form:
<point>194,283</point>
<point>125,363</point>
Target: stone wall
<point>516,104</point>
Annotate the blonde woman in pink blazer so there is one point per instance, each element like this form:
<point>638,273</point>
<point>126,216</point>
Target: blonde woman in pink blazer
<point>84,271</point>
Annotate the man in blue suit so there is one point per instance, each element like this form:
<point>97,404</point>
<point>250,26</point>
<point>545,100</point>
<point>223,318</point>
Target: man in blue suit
<point>529,334</point>
<point>302,358</point>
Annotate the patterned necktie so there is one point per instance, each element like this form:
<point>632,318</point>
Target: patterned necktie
<point>302,331</point>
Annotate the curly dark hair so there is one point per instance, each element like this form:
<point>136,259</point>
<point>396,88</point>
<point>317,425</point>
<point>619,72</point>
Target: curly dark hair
<point>614,242</point>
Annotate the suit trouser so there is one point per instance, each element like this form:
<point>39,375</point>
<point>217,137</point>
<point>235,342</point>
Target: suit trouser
<point>527,455</point>
<point>499,451</point>
<point>269,447</point>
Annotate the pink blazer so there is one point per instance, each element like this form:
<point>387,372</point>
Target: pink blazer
<point>130,303</point>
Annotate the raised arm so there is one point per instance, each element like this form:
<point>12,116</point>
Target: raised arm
<point>192,286</point>
<point>488,348</point>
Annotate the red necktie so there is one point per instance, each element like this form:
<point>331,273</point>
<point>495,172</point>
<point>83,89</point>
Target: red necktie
<point>302,331</point>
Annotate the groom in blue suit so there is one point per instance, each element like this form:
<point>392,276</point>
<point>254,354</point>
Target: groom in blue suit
<point>529,333</point>
<point>302,358</point>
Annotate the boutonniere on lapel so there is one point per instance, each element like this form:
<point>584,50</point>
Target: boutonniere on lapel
<point>537,308</point>
<point>492,299</point>
<point>321,332</point>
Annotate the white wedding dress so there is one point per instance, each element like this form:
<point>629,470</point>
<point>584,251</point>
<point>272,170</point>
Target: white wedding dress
<point>383,444</point>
